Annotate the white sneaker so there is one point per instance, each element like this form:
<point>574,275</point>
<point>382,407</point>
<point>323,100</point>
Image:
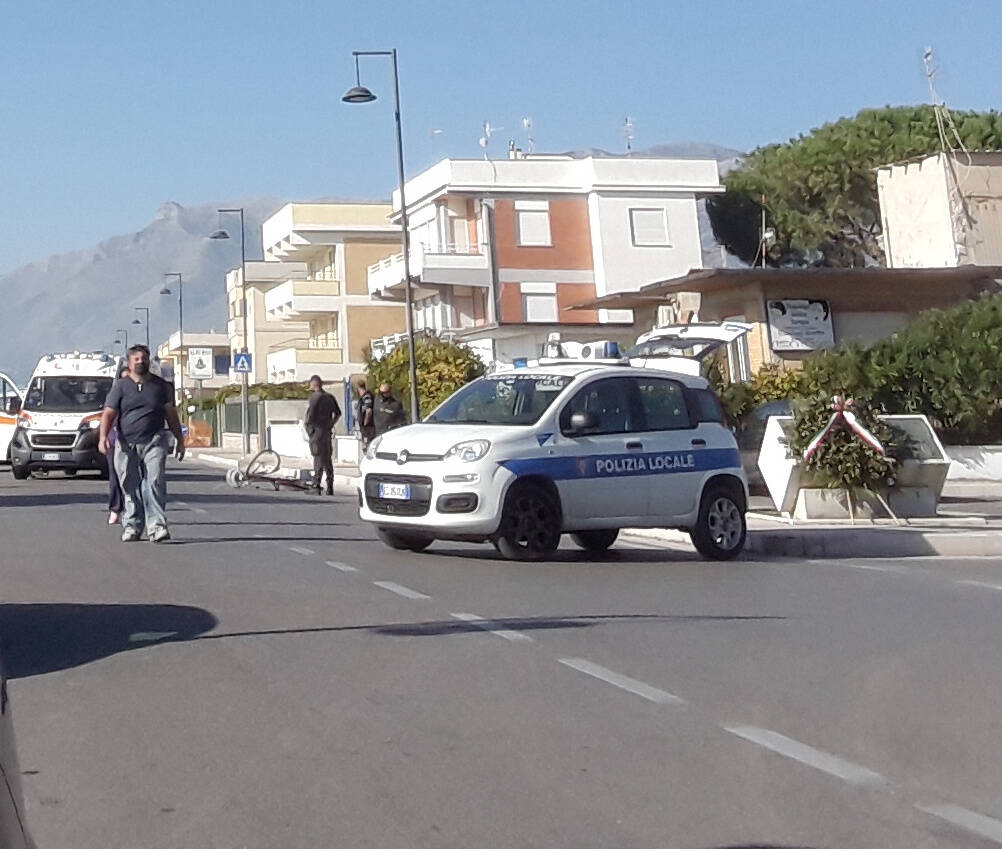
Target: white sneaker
<point>130,535</point>
<point>159,534</point>
<point>113,518</point>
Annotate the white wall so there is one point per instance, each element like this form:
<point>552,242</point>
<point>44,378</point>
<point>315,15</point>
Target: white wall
<point>625,268</point>
<point>915,213</point>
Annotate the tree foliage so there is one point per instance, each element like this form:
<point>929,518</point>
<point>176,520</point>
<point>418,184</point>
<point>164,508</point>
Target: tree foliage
<point>821,190</point>
<point>263,391</point>
<point>442,368</point>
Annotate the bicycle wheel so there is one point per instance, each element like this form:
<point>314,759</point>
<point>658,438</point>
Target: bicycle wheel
<point>265,462</point>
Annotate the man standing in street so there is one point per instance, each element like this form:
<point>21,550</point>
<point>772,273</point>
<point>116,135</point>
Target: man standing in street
<point>389,412</point>
<point>366,423</point>
<point>143,405</point>
<point>322,414</point>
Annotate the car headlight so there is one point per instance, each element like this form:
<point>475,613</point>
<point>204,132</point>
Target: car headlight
<point>24,421</point>
<point>370,451</point>
<point>469,451</point>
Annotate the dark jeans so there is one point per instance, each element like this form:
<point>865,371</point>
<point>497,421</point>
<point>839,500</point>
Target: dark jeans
<point>322,449</point>
<point>116,502</point>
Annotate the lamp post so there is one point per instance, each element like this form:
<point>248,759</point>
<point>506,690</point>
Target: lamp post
<point>125,337</point>
<point>360,94</point>
<point>147,322</point>
<point>180,335</point>
<point>244,406</point>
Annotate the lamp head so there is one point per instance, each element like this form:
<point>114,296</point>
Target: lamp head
<point>166,291</point>
<point>358,94</point>
<point>219,234</point>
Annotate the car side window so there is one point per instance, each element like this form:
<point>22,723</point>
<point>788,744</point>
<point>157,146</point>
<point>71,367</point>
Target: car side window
<point>609,401</point>
<point>708,408</point>
<point>663,404</point>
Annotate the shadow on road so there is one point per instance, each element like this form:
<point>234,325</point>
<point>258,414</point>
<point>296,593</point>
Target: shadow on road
<point>41,638</point>
<point>296,538</point>
<point>51,498</point>
<point>575,556</point>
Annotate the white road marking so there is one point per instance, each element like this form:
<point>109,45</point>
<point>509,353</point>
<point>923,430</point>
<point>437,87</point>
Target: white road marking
<point>847,771</point>
<point>493,627</point>
<point>182,504</point>
<point>300,549</point>
<point>150,636</point>
<point>259,536</point>
<point>972,821</point>
<point>631,685</point>
<point>400,589</point>
<point>983,584</point>
<point>199,510</point>
<point>341,567</point>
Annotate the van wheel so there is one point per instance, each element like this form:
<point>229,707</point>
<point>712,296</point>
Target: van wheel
<point>403,542</point>
<point>20,472</point>
<point>70,473</point>
<point>595,540</point>
<point>720,530</point>
<point>530,524</point>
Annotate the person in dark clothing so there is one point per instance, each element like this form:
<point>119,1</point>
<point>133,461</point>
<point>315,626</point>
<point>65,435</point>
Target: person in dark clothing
<point>366,422</point>
<point>322,414</point>
<point>143,407</point>
<point>116,503</point>
<point>388,412</point>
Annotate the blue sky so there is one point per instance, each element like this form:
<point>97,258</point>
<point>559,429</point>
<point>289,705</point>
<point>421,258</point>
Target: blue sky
<point>109,108</point>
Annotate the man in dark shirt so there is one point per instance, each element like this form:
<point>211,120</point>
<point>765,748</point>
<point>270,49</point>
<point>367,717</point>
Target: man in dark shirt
<point>321,416</point>
<point>366,423</point>
<point>389,412</point>
<point>143,406</point>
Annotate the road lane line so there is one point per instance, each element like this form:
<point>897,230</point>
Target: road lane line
<point>301,549</point>
<point>493,627</point>
<point>400,589</point>
<point>631,685</point>
<point>341,567</point>
<point>786,746</point>
<point>199,510</point>
<point>972,821</point>
<point>983,584</point>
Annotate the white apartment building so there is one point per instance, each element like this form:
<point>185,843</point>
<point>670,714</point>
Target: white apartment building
<point>942,210</point>
<point>501,248</point>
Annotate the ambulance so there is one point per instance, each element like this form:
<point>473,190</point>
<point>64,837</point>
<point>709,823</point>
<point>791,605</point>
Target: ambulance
<point>10,405</point>
<point>57,426</point>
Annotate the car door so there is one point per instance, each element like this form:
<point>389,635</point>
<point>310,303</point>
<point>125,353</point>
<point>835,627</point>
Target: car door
<point>602,481</point>
<point>10,403</point>
<point>673,448</point>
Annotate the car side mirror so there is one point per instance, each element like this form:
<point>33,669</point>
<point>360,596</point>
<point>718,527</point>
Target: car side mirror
<point>580,422</point>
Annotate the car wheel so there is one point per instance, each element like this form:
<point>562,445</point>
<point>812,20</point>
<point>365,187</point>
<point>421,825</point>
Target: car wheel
<point>70,473</point>
<point>403,541</point>
<point>102,474</point>
<point>720,530</point>
<point>20,472</point>
<point>530,524</point>
<point>595,540</point>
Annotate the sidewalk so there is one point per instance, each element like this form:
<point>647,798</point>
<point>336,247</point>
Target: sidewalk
<point>969,523</point>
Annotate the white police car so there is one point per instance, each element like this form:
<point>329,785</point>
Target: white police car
<point>523,456</point>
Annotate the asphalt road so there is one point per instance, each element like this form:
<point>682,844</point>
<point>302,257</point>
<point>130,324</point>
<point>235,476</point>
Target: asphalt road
<point>277,678</point>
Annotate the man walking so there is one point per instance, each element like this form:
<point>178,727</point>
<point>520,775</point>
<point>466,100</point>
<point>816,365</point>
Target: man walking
<point>322,414</point>
<point>366,423</point>
<point>389,412</point>
<point>143,406</point>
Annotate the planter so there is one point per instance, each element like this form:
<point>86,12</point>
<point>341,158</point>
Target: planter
<point>920,478</point>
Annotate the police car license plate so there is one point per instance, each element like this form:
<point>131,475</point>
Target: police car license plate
<point>50,456</point>
<point>399,491</point>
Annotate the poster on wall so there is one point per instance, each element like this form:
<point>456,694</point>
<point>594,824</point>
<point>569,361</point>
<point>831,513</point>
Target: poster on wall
<point>800,325</point>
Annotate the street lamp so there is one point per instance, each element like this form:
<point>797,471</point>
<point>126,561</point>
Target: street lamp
<point>358,93</point>
<point>147,322</point>
<point>244,407</point>
<point>180,334</point>
<point>125,336</point>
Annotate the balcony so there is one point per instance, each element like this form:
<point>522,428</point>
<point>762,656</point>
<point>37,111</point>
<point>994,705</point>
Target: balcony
<point>456,266</point>
<point>297,299</point>
<point>301,359</point>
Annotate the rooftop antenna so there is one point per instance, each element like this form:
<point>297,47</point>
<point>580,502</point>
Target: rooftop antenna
<point>530,141</point>
<point>944,120</point>
<point>628,133</point>
<point>485,139</point>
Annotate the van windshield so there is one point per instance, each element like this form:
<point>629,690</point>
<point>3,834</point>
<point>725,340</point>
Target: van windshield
<point>67,394</point>
<point>501,399</point>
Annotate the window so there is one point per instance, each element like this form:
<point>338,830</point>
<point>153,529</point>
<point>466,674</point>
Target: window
<point>649,227</point>
<point>609,401</point>
<point>738,356</point>
<point>542,308</point>
<point>663,404</point>
<point>501,399</point>
<point>708,407</point>
<point>221,364</point>
<point>532,223</point>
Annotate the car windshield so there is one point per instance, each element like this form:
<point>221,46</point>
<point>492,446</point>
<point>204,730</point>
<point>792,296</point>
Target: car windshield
<point>501,399</point>
<point>674,346</point>
<point>67,394</point>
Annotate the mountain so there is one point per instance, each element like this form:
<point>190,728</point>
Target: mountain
<point>77,301</point>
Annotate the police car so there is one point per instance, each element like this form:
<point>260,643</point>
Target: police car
<point>521,457</point>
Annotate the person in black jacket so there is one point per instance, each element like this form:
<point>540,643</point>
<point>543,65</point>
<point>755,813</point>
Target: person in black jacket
<point>388,412</point>
<point>322,414</point>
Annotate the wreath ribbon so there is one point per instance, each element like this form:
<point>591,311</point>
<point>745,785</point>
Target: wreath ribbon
<point>842,412</point>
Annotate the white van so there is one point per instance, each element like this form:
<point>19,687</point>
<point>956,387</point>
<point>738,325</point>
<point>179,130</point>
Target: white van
<point>57,427</point>
<point>10,405</point>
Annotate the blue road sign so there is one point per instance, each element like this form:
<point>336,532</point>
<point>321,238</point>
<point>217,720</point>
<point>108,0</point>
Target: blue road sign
<point>242,364</point>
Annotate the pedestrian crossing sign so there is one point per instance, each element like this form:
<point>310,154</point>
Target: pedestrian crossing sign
<point>242,363</point>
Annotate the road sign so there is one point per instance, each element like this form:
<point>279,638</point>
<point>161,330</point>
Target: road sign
<point>200,364</point>
<point>242,364</point>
